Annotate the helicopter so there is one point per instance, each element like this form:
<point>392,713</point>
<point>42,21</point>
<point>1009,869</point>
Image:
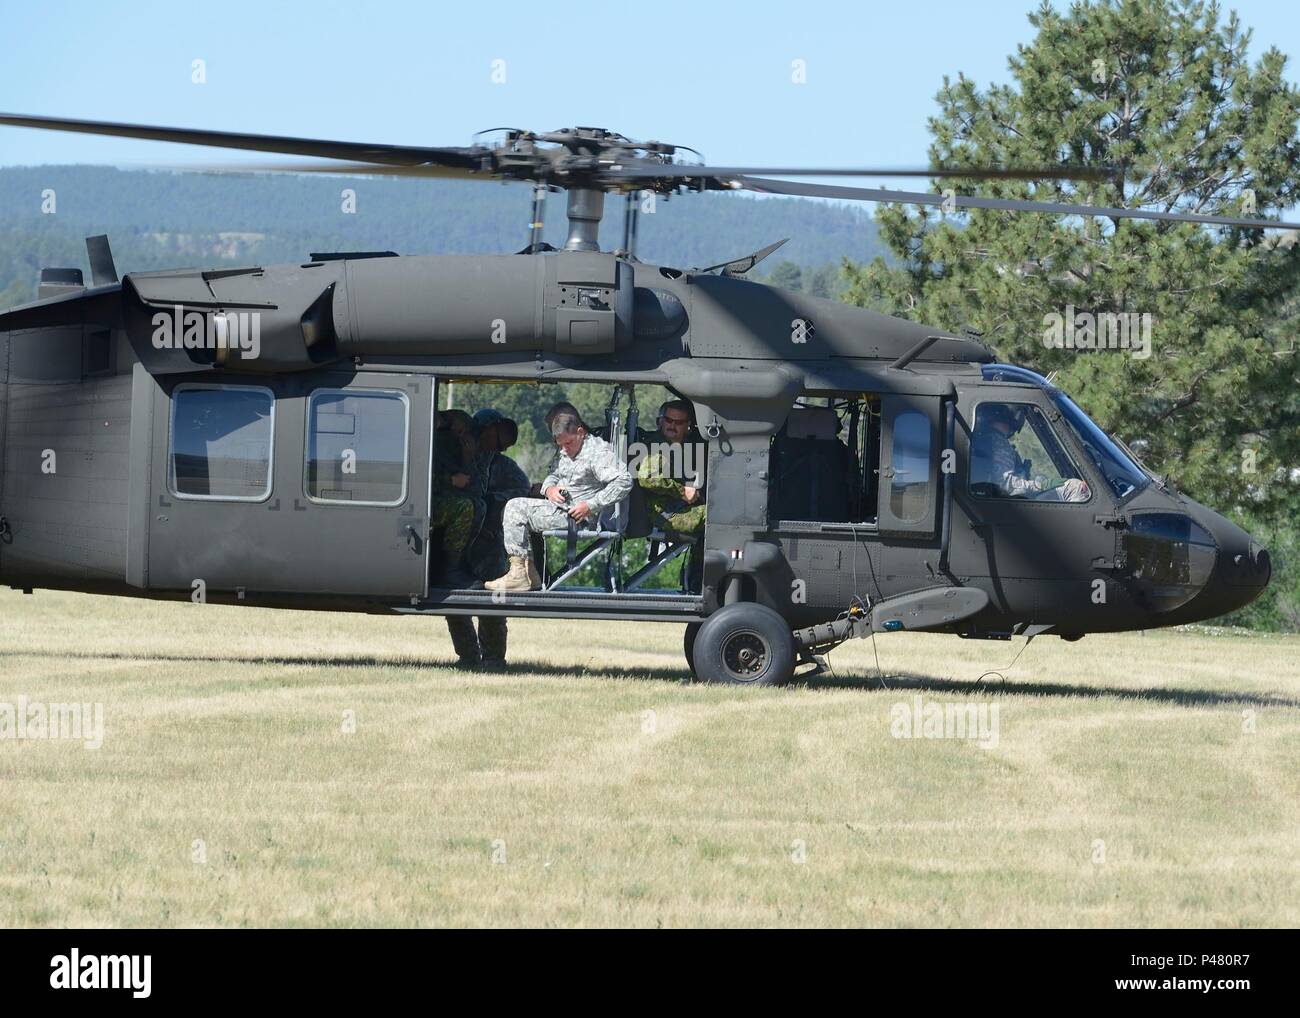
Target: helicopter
<point>865,474</point>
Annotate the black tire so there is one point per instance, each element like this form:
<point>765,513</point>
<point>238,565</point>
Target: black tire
<point>688,644</point>
<point>744,644</point>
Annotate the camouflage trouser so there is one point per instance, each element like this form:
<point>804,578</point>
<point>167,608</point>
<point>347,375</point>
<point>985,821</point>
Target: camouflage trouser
<point>537,515</point>
<point>688,521</point>
<point>489,642</point>
<point>454,515</point>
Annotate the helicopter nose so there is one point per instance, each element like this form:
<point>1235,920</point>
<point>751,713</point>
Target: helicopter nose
<point>1242,567</point>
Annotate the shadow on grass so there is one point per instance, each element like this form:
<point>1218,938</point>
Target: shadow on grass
<point>351,661</point>
<point>341,661</point>
<point>909,683</point>
<point>997,687</point>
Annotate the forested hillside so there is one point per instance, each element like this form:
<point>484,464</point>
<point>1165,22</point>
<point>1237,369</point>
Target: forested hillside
<point>158,219</point>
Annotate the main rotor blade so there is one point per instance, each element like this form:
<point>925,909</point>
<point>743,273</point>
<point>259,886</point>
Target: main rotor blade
<point>876,194</point>
<point>678,170</point>
<point>343,168</point>
<point>468,160</point>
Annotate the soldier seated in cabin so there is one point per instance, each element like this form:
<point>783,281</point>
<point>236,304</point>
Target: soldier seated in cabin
<point>671,474</point>
<point>588,477</point>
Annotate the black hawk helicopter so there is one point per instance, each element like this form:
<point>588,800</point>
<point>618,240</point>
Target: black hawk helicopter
<point>864,473</point>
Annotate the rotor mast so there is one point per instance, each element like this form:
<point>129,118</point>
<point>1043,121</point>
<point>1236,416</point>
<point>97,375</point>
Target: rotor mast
<point>578,160</point>
<point>631,211</point>
<point>586,208</point>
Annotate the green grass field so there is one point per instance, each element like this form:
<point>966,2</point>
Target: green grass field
<point>1137,780</point>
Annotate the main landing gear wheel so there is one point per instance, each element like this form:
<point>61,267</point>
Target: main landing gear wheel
<point>744,644</point>
<point>688,645</point>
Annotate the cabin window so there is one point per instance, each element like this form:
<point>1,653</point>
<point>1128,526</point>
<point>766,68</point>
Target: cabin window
<point>1016,454</point>
<point>220,444</point>
<point>909,485</point>
<point>357,446</point>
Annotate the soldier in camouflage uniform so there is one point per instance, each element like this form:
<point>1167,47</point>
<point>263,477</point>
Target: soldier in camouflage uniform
<point>496,480</point>
<point>588,478</point>
<point>671,471</point>
<point>671,474</point>
<point>451,509</point>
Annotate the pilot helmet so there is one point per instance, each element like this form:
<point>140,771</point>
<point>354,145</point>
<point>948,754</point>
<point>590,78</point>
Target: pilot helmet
<point>1013,416</point>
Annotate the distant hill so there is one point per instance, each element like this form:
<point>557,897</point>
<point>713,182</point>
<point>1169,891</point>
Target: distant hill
<point>159,219</point>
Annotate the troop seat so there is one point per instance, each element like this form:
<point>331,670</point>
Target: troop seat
<point>628,519</point>
<point>604,538</point>
<point>663,546</point>
<point>810,468</point>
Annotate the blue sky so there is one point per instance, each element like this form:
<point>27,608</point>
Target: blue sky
<point>712,75</point>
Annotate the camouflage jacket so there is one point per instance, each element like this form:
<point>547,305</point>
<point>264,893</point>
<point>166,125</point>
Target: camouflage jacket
<point>496,480</point>
<point>664,471</point>
<point>596,475</point>
<point>448,459</point>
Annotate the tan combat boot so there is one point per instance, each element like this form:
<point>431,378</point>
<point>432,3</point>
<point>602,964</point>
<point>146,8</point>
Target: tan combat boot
<point>521,576</point>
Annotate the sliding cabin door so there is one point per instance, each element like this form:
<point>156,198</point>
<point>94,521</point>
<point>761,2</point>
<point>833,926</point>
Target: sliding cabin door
<point>312,484</point>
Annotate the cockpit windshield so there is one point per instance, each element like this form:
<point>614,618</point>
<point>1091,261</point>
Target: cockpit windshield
<point>1123,475</point>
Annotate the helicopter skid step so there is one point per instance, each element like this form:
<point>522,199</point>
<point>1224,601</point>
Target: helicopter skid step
<point>575,603</point>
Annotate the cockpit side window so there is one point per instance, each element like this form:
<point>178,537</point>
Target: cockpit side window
<point>1016,454</point>
<point>1124,476</point>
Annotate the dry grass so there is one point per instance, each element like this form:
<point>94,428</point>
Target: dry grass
<point>610,794</point>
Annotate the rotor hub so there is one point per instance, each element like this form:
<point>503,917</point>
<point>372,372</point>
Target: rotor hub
<point>584,161</point>
<point>587,157</point>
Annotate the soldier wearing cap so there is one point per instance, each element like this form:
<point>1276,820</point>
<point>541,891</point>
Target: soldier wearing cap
<point>451,507</point>
<point>495,480</point>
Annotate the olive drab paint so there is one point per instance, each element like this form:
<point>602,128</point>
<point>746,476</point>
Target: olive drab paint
<point>839,486</point>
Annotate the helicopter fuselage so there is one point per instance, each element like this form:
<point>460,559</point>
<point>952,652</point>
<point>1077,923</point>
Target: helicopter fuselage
<point>163,437</point>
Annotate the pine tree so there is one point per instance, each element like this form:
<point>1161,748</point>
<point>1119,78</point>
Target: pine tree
<point>1162,91</point>
<point>786,275</point>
